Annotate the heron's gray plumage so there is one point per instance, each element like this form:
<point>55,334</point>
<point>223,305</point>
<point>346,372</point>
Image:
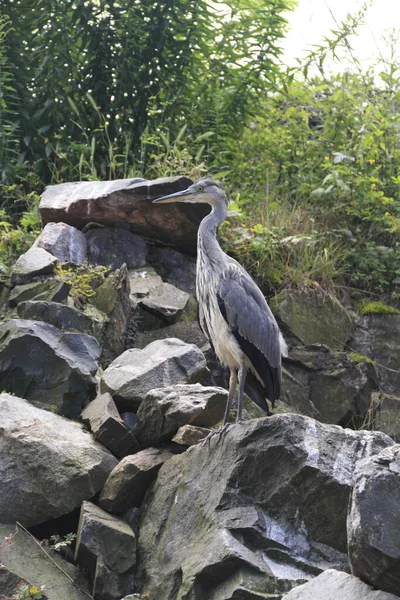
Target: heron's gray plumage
<point>233,312</point>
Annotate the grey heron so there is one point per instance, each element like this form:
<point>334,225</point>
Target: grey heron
<point>233,312</point>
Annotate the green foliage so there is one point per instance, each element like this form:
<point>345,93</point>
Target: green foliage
<point>378,308</point>
<point>59,543</point>
<point>360,358</point>
<point>84,280</point>
<point>30,592</point>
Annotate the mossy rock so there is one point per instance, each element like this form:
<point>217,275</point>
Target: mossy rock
<point>378,308</point>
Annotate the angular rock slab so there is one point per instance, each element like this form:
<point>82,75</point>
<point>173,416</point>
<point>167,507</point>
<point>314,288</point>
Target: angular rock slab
<point>106,547</point>
<point>336,585</point>
<point>35,261</point>
<point>23,556</point>
<point>329,386</point>
<point>60,315</point>
<point>378,337</point>
<point>373,523</point>
<point>142,281</point>
<point>128,482</point>
<point>126,201</point>
<point>66,243</point>
<point>175,268</point>
<point>102,416</point>
<point>132,375</point>
<point>269,497</point>
<point>313,318</point>
<point>189,435</point>
<point>48,464</point>
<point>50,368</point>
<point>165,301</point>
<point>114,247</point>
<point>190,333</point>
<point>49,290</point>
<point>165,410</point>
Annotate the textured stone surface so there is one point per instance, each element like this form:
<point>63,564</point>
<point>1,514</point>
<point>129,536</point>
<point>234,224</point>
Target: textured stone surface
<point>313,318</point>
<point>106,547</point>
<point>190,333</point>
<point>127,202</point>
<point>378,337</point>
<point>176,268</point>
<point>48,290</point>
<point>50,368</point>
<point>142,281</point>
<point>374,520</point>
<point>114,247</point>
<point>128,482</point>
<point>164,410</point>
<point>336,585</point>
<point>269,496</point>
<point>165,301</point>
<point>35,261</point>
<point>132,375</point>
<point>189,435</point>
<point>60,315</point>
<point>24,557</point>
<point>386,416</point>
<point>66,243</point>
<point>102,416</point>
<point>329,386</point>
<point>48,464</point>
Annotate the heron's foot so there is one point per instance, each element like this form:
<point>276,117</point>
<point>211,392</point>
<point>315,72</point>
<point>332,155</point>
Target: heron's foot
<point>214,432</point>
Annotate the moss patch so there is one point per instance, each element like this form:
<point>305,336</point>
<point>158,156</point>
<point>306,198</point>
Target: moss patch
<point>378,308</point>
<point>359,358</point>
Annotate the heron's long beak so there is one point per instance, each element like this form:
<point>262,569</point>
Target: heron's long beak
<point>175,197</point>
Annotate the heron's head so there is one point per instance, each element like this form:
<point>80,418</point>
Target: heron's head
<point>204,190</point>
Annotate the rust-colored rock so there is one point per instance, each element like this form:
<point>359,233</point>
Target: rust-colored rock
<point>127,201</point>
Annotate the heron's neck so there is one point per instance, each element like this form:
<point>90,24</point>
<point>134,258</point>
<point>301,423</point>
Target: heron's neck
<point>207,235</point>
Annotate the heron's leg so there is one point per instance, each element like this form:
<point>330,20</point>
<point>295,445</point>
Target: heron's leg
<point>232,389</point>
<point>242,380</point>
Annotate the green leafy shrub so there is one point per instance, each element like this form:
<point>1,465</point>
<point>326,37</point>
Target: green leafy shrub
<point>84,280</point>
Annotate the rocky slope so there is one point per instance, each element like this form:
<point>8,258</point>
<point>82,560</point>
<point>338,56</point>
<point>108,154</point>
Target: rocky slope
<point>108,390</point>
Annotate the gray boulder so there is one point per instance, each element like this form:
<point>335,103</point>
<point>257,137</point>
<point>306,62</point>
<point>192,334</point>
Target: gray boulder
<point>386,414</point>
<point>378,338</point>
<point>35,261</point>
<point>114,247</point>
<point>50,368</point>
<point>126,202</point>
<point>106,548</point>
<point>48,464</point>
<point>22,555</point>
<point>66,243</point>
<point>335,585</point>
<point>128,482</point>
<point>165,301</point>
<point>60,315</point>
<point>313,318</point>
<point>373,523</point>
<point>164,410</point>
<point>102,416</point>
<point>330,386</point>
<point>190,333</point>
<point>48,290</point>
<point>132,375</point>
<point>175,268</point>
<point>268,497</point>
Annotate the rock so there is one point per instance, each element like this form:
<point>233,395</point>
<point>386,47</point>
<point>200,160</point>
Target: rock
<point>102,416</point>
<point>48,464</point>
<point>48,290</point>
<point>10,583</point>
<point>378,338</point>
<point>313,318</point>
<point>114,247</point>
<point>50,368</point>
<point>66,243</point>
<point>24,557</point>
<point>106,547</point>
<point>175,268</point>
<point>332,585</point>
<point>329,386</point>
<point>132,375</point>
<point>190,333</point>
<point>189,435</point>
<point>164,410</point>
<point>128,482</point>
<point>60,315</point>
<point>165,301</point>
<point>35,261</point>
<point>126,202</point>
<point>373,523</point>
<point>268,497</point>
<point>142,281</point>
<point>112,299</point>
<point>386,415</point>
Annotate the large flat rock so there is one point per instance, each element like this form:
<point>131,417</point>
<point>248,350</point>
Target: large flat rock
<point>126,201</point>
<point>48,465</point>
<point>267,499</point>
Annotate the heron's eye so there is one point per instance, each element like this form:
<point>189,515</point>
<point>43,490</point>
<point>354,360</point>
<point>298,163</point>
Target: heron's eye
<point>200,188</point>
